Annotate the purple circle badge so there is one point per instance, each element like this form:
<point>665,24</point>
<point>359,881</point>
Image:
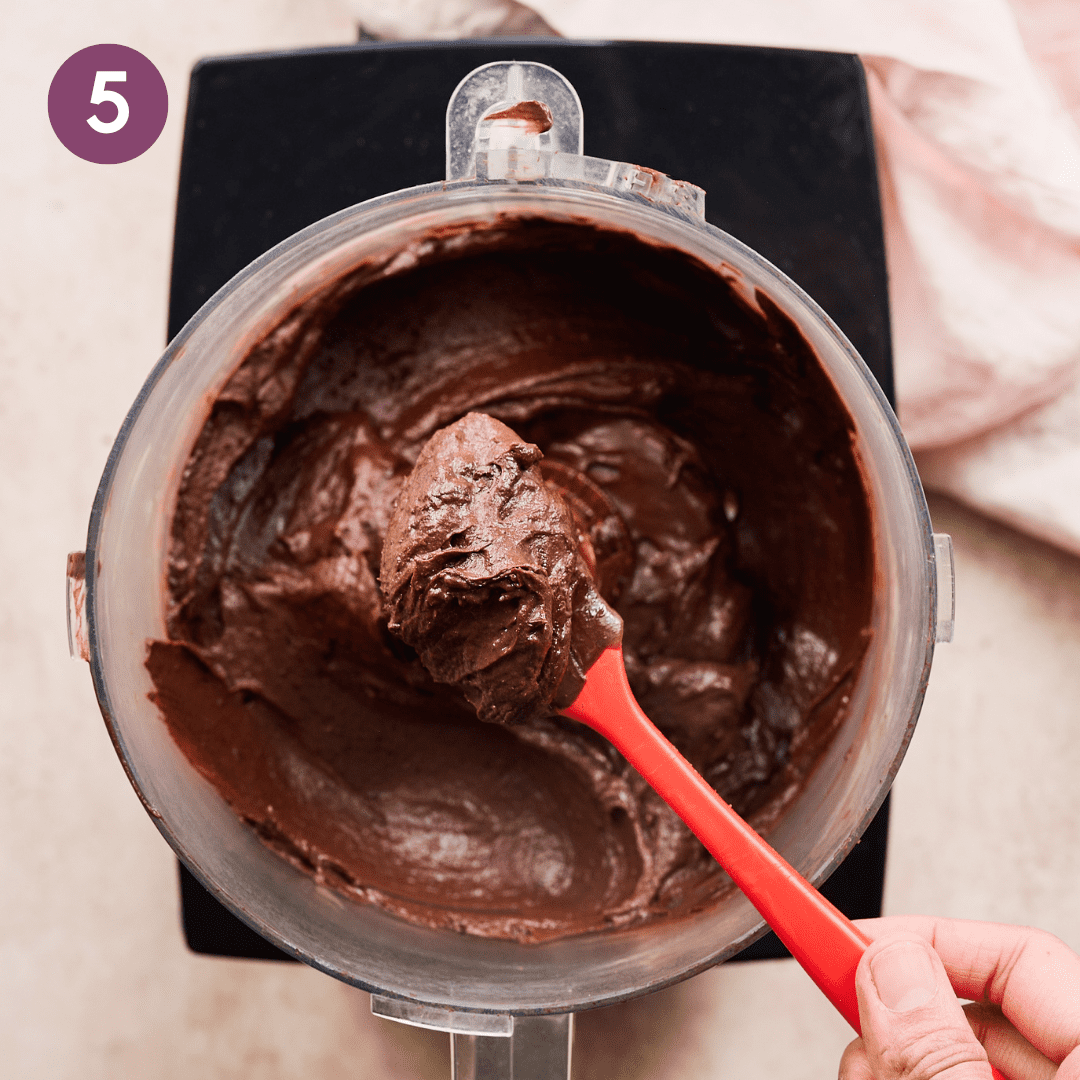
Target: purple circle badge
<point>108,104</point>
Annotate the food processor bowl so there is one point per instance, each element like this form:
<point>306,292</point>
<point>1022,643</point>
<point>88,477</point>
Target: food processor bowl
<point>496,168</point>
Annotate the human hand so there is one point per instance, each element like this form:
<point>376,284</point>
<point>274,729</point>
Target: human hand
<point>1025,1016</point>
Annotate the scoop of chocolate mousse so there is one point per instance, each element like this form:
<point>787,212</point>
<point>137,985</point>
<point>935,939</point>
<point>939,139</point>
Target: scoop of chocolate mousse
<point>483,575</point>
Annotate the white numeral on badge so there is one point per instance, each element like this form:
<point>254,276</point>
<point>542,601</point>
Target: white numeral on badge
<point>99,95</point>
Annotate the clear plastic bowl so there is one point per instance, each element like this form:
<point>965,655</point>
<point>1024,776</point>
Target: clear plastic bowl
<point>125,606</point>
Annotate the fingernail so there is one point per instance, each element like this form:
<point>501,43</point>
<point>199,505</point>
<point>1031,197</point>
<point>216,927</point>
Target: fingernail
<point>904,976</point>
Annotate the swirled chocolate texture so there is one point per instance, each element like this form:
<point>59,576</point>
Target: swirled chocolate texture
<point>482,574</point>
<point>702,451</point>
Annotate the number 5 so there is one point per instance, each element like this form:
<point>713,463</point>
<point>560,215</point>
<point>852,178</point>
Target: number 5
<point>100,95</point>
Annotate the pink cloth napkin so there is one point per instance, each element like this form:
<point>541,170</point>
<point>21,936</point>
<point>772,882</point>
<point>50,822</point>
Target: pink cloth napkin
<point>976,110</point>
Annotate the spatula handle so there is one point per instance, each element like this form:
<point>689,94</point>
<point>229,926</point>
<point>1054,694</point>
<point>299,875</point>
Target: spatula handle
<point>824,941</point>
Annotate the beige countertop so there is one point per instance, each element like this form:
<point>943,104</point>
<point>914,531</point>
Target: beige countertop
<point>95,980</point>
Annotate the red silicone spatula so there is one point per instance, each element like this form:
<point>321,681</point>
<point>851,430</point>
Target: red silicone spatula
<point>824,941</point>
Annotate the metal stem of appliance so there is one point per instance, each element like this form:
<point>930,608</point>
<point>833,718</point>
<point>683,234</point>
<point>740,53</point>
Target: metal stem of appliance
<point>492,1046</point>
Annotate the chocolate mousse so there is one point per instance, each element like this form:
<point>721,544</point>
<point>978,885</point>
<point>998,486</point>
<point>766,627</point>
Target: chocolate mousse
<point>482,573</point>
<point>700,450</point>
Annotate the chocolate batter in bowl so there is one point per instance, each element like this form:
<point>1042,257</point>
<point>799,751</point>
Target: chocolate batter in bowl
<point>772,561</point>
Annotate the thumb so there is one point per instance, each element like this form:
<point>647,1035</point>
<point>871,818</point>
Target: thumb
<point>912,1025</point>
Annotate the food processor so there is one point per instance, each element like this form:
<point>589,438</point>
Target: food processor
<point>514,146</point>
